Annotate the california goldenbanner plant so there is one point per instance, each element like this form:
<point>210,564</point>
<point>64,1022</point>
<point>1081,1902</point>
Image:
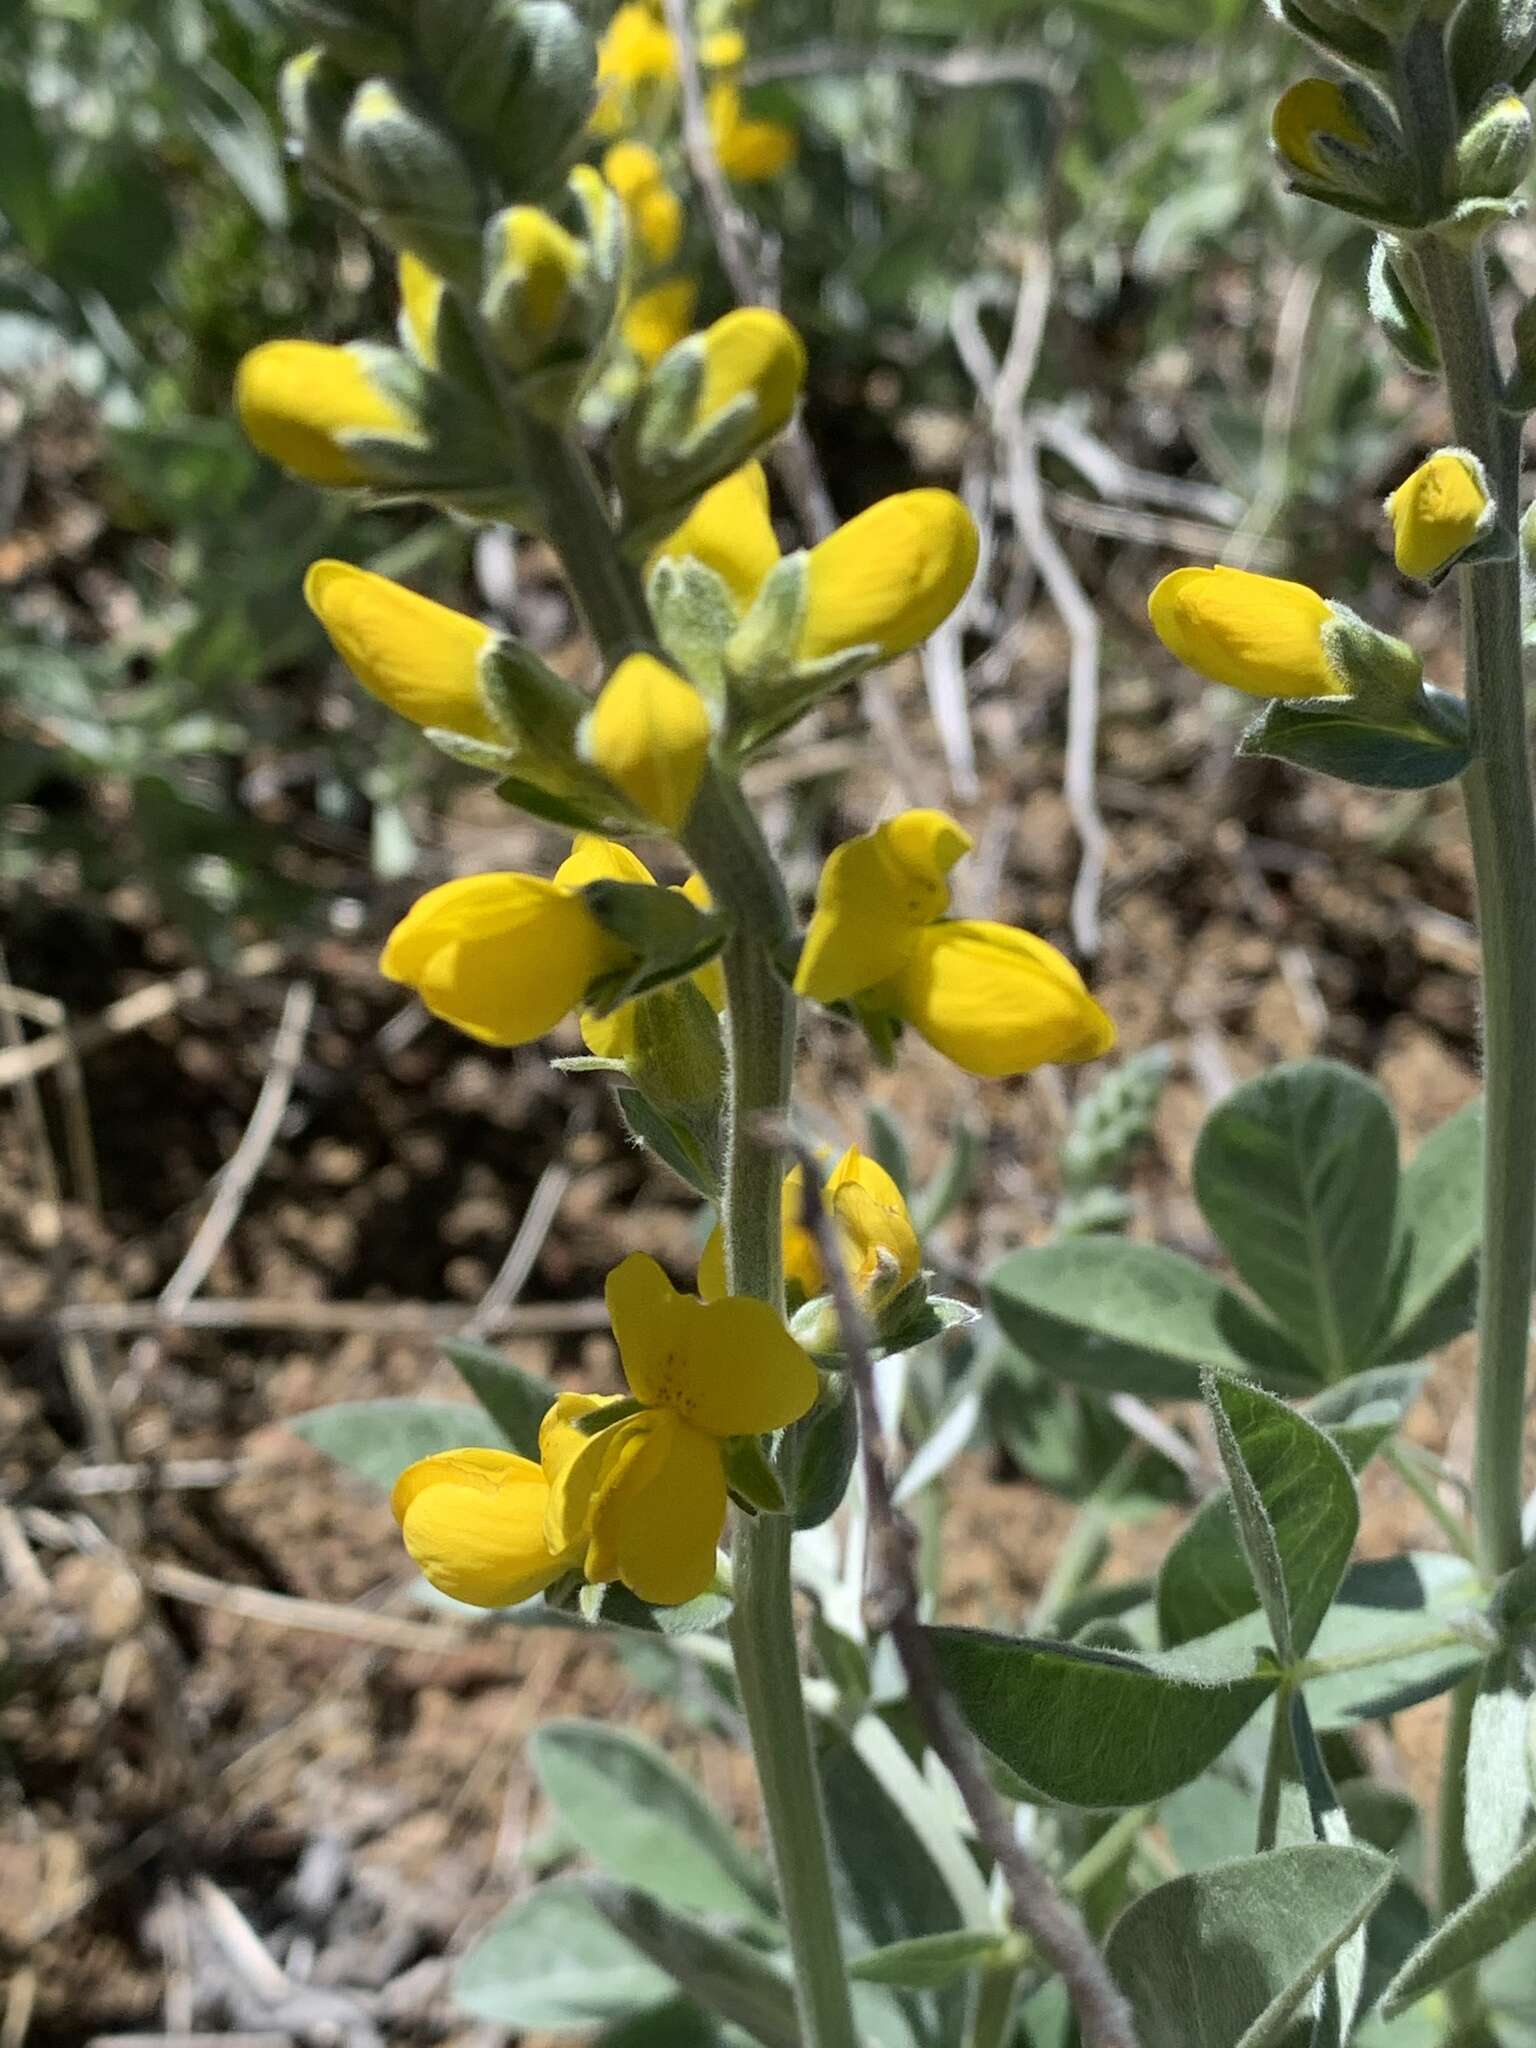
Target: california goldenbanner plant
<point>1039,1803</point>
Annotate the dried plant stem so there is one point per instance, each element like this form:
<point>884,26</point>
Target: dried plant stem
<point>1040,1910</point>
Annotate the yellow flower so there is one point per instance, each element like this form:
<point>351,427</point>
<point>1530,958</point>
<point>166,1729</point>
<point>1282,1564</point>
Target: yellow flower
<point>502,956</point>
<point>546,264</point>
<point>473,1520</point>
<point>659,319</point>
<point>872,1226</point>
<point>751,350</point>
<point>723,50</point>
<point>634,54</point>
<point>1310,108</point>
<point>649,734</point>
<point>1438,512</point>
<point>883,580</point>
<point>593,859</point>
<point>299,401</point>
<point>749,151</point>
<point>420,658</point>
<point>1254,633</point>
<point>421,296</point>
<point>645,1499</point>
<point>994,1000</point>
<point>652,208</point>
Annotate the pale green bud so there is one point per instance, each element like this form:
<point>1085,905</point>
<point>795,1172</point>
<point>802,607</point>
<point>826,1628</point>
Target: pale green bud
<point>1395,311</point>
<point>412,182</point>
<point>1494,155</point>
<point>516,76</point>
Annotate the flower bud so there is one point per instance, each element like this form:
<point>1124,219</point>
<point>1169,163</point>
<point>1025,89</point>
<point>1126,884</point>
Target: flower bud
<point>322,412</point>
<point>420,658</point>
<point>749,151</point>
<point>636,69</point>
<point>314,92</point>
<point>652,209</point>
<point>889,576</point>
<point>659,319</point>
<point>709,404</point>
<point>649,734</point>
<point>412,183</point>
<point>1493,157</point>
<point>551,294</point>
<point>361,35</point>
<point>1258,634</point>
<point>1337,140</point>
<point>1438,512</point>
<point>421,301</point>
<point>514,78</point>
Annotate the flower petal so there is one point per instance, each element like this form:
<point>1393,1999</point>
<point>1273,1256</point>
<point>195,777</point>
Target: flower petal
<point>875,893</point>
<point>659,1513</point>
<point>649,734</point>
<point>752,350</point>
<point>659,319</point>
<point>420,658</point>
<point>473,1520</point>
<point>727,1367</point>
<point>888,577</point>
<point>1309,108</point>
<point>872,1223</point>
<point>573,1464</point>
<point>749,151</point>
<point>653,210</point>
<point>1260,634</point>
<point>1438,512</point>
<point>295,398</point>
<point>995,1000</point>
<point>421,296</point>
<point>730,531</point>
<point>504,957</point>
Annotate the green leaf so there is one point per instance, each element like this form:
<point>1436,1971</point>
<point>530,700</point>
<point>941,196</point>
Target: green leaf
<point>1338,739</point>
<point>378,1439</point>
<point>616,1607</point>
<point>626,1806</point>
<point>725,1976</point>
<point>1487,1920</point>
<point>515,1400</point>
<point>670,1141</point>
<point>1498,1796</point>
<point>1133,1318</point>
<point>553,1960</point>
<point>1295,1509</point>
<point>667,934</point>
<point>820,1451</point>
<point>1100,1728</point>
<point>681,2024</point>
<point>1224,1958</point>
<point>1440,1227</point>
<point>930,1961</point>
<point>1363,1412</point>
<point>1296,1173</point>
<point>1387,1602</point>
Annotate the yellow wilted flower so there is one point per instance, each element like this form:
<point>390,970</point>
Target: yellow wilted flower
<point>300,401</point>
<point>1259,634</point>
<point>422,659</point>
<point>885,579</point>
<point>594,859</point>
<point>635,53</point>
<point>659,319</point>
<point>648,733</point>
<point>473,1521</point>
<point>993,999</point>
<point>871,1223</point>
<point>1308,109</point>
<point>652,208</point>
<point>502,956</point>
<point>750,151</point>
<point>1439,511</point>
<point>644,1500</point>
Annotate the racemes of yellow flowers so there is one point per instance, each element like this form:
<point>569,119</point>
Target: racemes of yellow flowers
<point>630,1490</point>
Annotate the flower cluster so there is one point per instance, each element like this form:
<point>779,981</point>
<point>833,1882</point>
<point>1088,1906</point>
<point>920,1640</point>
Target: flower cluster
<point>632,1490</point>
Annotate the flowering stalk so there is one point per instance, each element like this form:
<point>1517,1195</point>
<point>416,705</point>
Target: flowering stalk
<point>1502,828</point>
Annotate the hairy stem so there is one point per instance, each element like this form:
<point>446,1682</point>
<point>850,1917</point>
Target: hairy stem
<point>725,845</point>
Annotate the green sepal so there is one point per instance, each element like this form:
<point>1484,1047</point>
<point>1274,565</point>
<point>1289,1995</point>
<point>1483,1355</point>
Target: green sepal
<point>678,1060</point>
<point>667,935</point>
<point>1395,313</point>
<point>695,616</point>
<point>560,809</point>
<point>1466,224</point>
<point>1336,737</point>
<point>597,1420</point>
<point>673,1142</point>
<point>750,1477</point>
<point>540,713</point>
<point>1336,31</point>
<point>470,752</point>
<point>665,458</point>
<point>762,649</point>
<point>819,1451</point>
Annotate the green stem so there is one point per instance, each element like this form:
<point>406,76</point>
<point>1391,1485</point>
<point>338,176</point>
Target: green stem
<point>992,2014</point>
<point>1501,822</point>
<point>606,586</point>
<point>1386,1653</point>
<point>1454,1879</point>
<point>1278,1769</point>
<point>1422,1488</point>
<point>725,845</point>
